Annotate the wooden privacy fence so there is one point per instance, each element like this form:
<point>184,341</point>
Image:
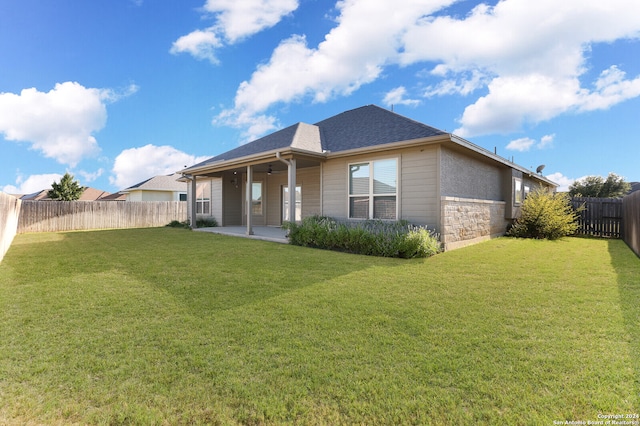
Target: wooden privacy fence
<point>631,217</point>
<point>601,217</point>
<point>53,216</point>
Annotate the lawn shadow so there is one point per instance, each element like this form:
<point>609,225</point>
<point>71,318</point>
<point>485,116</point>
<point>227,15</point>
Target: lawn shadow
<point>206,272</point>
<point>627,267</point>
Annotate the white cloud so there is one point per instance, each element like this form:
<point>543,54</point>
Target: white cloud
<point>59,123</point>
<point>32,184</point>
<point>534,73</point>
<point>528,58</point>
<point>200,44</point>
<point>137,164</point>
<point>397,97</point>
<point>611,88</point>
<point>525,144</point>
<point>546,141</point>
<point>235,20</point>
<point>561,180</point>
<point>240,19</point>
<point>464,86</point>
<point>366,39</point>
<point>91,176</point>
<point>522,144</point>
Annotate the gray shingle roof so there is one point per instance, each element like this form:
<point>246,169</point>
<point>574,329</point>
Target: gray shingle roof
<point>370,126</point>
<point>161,183</point>
<point>361,127</point>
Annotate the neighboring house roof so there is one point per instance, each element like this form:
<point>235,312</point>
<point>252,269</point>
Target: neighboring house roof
<point>159,183</point>
<point>116,196</point>
<point>368,128</point>
<point>89,194</point>
<point>635,186</point>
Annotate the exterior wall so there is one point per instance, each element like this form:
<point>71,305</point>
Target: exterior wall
<point>146,195</point>
<point>9,214</point>
<point>232,197</point>
<point>417,186</point>
<point>467,177</point>
<point>468,221</point>
<point>309,181</point>
<point>216,199</point>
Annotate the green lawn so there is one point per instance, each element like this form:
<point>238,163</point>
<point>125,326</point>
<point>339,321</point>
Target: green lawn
<point>170,326</point>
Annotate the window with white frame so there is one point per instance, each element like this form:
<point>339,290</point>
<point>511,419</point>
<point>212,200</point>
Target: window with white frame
<point>373,190</point>
<point>203,197</point>
<point>517,190</point>
<point>256,201</point>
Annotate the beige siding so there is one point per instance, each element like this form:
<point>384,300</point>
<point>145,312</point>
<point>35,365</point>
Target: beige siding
<point>216,199</point>
<point>157,196</point>
<point>308,179</point>
<point>335,187</point>
<point>417,188</point>
<point>232,204</point>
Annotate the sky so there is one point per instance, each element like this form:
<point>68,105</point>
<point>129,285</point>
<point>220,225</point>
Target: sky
<point>117,91</point>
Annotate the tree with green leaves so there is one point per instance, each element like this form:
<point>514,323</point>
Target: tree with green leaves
<point>613,186</point>
<point>67,190</point>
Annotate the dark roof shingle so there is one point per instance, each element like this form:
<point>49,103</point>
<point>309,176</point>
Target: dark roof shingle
<point>361,127</point>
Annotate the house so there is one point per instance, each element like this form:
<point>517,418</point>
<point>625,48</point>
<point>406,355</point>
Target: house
<point>158,188</point>
<point>89,194</point>
<point>366,163</point>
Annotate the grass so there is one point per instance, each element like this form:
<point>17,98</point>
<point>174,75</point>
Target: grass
<point>169,326</point>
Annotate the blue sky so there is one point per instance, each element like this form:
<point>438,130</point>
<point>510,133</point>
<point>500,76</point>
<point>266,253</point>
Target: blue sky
<point>116,91</point>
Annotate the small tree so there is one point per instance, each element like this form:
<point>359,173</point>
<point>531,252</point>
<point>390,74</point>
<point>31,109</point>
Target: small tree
<point>545,215</point>
<point>67,190</point>
<point>613,186</point>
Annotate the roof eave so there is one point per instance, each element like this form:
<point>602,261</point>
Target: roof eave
<point>391,146</point>
<point>247,160</point>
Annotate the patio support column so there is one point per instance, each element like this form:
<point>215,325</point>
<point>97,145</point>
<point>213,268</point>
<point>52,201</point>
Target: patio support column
<point>291,167</point>
<point>249,203</point>
<point>192,204</point>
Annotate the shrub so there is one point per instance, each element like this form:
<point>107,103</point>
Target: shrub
<point>545,215</point>
<point>178,224</point>
<point>372,237</point>
<point>209,222</point>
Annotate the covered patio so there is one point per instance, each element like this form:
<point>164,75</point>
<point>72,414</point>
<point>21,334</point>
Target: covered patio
<point>266,233</point>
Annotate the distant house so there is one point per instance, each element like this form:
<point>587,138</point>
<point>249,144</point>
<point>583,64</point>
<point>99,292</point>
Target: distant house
<point>635,186</point>
<point>158,188</point>
<point>89,194</point>
<point>366,163</point>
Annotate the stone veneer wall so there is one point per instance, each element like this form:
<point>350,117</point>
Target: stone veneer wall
<point>467,221</point>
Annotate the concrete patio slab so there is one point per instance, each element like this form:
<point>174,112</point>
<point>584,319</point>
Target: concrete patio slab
<point>266,233</point>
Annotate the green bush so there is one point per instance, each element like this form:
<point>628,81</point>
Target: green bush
<point>209,222</point>
<point>545,215</point>
<point>178,224</point>
<point>372,237</point>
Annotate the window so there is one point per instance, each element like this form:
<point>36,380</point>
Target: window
<point>517,190</point>
<point>527,190</point>
<point>183,197</point>
<point>373,190</point>
<point>256,200</point>
<point>285,203</point>
<point>203,198</point>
